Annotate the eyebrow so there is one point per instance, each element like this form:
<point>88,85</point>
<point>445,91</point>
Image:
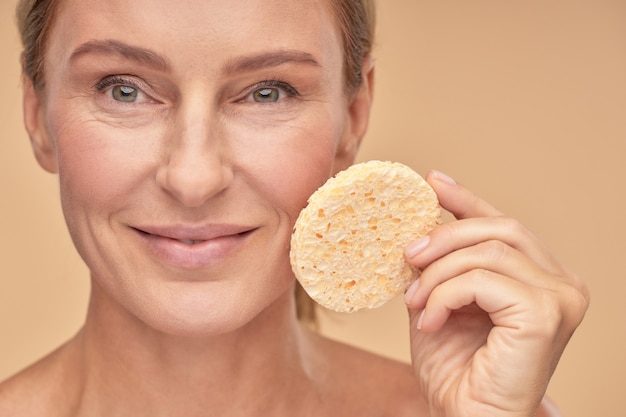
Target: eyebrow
<point>152,59</point>
<point>113,47</point>
<point>268,60</point>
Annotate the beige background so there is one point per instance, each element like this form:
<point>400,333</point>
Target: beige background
<point>522,101</point>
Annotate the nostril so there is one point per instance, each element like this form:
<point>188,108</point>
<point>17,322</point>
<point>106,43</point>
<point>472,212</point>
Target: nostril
<point>193,182</point>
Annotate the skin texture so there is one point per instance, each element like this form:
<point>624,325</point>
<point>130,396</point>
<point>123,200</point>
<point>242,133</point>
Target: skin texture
<point>180,180</point>
<point>192,153</point>
<point>491,305</point>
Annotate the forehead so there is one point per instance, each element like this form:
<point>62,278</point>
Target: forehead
<point>200,31</point>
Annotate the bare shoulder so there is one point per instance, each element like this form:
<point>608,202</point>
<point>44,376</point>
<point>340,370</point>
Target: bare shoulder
<point>383,386</point>
<point>35,390</point>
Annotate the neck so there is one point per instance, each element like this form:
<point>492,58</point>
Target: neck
<point>152,373</point>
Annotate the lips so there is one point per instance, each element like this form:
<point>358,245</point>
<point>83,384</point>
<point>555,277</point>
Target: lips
<point>189,241</point>
<point>193,247</point>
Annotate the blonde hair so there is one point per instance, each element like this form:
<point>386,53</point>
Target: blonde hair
<point>34,20</point>
<point>357,23</point>
<point>355,18</point>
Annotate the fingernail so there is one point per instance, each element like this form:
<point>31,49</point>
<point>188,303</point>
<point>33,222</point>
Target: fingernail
<point>416,246</point>
<point>420,320</point>
<point>411,291</point>
<point>443,177</point>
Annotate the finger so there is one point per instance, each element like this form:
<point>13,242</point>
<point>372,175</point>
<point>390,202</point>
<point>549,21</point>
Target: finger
<point>460,234</point>
<point>457,199</point>
<point>524,310</point>
<point>492,255</point>
<point>524,333</point>
<point>507,301</point>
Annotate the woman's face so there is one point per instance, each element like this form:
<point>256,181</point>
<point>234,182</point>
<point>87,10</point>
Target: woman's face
<point>187,136</point>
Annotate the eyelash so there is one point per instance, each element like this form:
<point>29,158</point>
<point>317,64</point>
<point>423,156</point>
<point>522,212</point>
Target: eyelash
<point>286,87</point>
<point>115,80</point>
<point>111,81</point>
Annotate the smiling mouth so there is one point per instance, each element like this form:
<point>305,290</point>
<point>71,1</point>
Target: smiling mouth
<point>192,248</point>
<point>193,240</point>
<point>190,242</point>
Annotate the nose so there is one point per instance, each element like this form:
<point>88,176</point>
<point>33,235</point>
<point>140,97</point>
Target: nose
<point>194,168</point>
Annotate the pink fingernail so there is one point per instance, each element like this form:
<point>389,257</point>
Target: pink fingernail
<point>420,320</point>
<point>416,246</point>
<point>443,177</point>
<point>411,291</point>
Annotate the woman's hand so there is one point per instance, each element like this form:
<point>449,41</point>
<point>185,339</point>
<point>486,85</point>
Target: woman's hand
<point>491,312</point>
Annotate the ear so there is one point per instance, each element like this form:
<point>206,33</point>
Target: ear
<point>43,146</point>
<point>359,108</point>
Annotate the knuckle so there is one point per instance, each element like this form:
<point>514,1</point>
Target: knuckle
<point>563,309</point>
<point>513,226</point>
<point>480,276</point>
<point>577,303</point>
<point>436,294</point>
<point>446,231</point>
<point>550,319</point>
<point>581,287</point>
<point>575,297</point>
<point>494,250</point>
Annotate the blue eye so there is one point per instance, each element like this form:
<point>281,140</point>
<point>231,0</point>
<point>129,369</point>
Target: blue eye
<point>266,95</point>
<point>121,89</point>
<point>124,93</point>
<point>271,91</point>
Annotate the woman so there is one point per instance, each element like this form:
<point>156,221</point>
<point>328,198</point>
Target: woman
<point>187,136</point>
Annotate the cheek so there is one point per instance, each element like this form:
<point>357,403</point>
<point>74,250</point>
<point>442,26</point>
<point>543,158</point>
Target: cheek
<point>98,165</point>
<point>88,173</point>
<point>290,162</point>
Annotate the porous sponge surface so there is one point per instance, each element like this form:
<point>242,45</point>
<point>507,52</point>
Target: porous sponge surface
<point>347,248</point>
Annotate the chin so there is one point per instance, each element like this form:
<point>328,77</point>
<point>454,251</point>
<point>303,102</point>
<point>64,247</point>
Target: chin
<point>198,315</point>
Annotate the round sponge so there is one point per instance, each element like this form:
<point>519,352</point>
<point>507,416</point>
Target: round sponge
<point>347,248</point>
